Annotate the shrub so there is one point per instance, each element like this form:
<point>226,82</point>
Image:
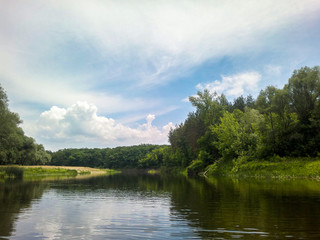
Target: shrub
<point>195,167</point>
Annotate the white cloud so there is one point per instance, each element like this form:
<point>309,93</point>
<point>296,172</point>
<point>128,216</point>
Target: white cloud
<point>146,41</point>
<point>79,125</point>
<point>24,86</point>
<point>168,37</point>
<point>234,85</point>
<point>185,100</point>
<point>107,52</point>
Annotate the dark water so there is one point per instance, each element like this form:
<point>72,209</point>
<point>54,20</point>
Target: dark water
<point>155,207</point>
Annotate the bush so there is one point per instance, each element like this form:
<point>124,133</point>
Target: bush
<point>237,163</point>
<point>195,168</point>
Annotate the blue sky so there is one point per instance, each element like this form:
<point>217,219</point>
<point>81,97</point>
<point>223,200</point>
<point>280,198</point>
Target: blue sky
<point>105,73</point>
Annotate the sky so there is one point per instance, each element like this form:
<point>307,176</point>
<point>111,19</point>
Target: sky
<point>102,73</point>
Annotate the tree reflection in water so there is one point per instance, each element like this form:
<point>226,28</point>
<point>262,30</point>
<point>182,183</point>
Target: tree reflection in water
<point>15,197</point>
<point>196,207</point>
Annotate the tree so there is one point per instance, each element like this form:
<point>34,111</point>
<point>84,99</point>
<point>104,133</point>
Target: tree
<point>304,92</point>
<point>239,103</point>
<point>154,159</point>
<point>278,130</point>
<point>210,106</point>
<point>10,133</point>
<point>237,134</point>
<point>15,147</point>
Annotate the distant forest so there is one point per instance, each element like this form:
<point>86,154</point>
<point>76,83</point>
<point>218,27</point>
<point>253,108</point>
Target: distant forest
<point>279,122</point>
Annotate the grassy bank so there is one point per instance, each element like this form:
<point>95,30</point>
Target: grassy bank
<point>18,171</point>
<point>30,172</point>
<point>274,168</point>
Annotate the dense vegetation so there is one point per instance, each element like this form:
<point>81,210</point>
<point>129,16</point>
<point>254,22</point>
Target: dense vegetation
<point>22,172</point>
<point>278,124</point>
<point>15,146</point>
<point>114,158</point>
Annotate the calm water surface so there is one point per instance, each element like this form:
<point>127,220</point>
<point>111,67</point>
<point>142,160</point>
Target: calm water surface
<point>156,207</point>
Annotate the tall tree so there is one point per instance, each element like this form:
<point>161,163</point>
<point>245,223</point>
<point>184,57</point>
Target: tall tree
<point>304,92</point>
<point>15,147</point>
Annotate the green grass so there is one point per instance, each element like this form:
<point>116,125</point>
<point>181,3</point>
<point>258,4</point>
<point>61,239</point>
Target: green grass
<point>84,172</point>
<point>153,171</point>
<point>35,172</point>
<point>112,171</point>
<point>219,168</point>
<point>19,172</point>
<point>279,168</point>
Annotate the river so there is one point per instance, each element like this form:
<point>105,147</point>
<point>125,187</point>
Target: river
<point>160,207</point>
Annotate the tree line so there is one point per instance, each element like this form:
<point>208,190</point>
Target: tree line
<point>113,158</point>
<point>17,148</point>
<point>279,122</point>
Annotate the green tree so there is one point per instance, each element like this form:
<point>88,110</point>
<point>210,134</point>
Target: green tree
<point>210,106</point>
<point>278,130</point>
<point>229,133</point>
<point>237,134</point>
<point>15,147</point>
<point>304,92</point>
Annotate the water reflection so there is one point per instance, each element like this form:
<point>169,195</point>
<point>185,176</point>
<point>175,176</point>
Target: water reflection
<point>16,197</point>
<point>157,207</point>
<point>251,209</point>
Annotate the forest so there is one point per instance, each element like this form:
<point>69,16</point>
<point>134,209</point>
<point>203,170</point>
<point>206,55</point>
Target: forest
<point>278,123</point>
<point>112,158</point>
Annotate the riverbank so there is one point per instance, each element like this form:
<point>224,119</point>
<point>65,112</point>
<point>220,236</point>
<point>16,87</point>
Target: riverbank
<point>274,168</point>
<point>20,171</point>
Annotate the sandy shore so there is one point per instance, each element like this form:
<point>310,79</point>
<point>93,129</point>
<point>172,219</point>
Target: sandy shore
<point>93,171</point>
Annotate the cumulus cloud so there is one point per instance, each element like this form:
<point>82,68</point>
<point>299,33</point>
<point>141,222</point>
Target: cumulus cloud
<point>80,123</point>
<point>234,85</point>
<point>112,52</point>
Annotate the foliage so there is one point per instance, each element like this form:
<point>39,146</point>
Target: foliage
<point>280,122</point>
<point>116,158</point>
<point>154,159</point>
<point>153,171</point>
<point>217,136</point>
<point>285,168</point>
<point>219,168</point>
<point>15,147</point>
<point>195,167</point>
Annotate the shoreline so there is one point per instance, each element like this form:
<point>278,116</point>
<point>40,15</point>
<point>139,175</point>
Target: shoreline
<point>282,168</point>
<point>45,171</point>
<point>80,170</point>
